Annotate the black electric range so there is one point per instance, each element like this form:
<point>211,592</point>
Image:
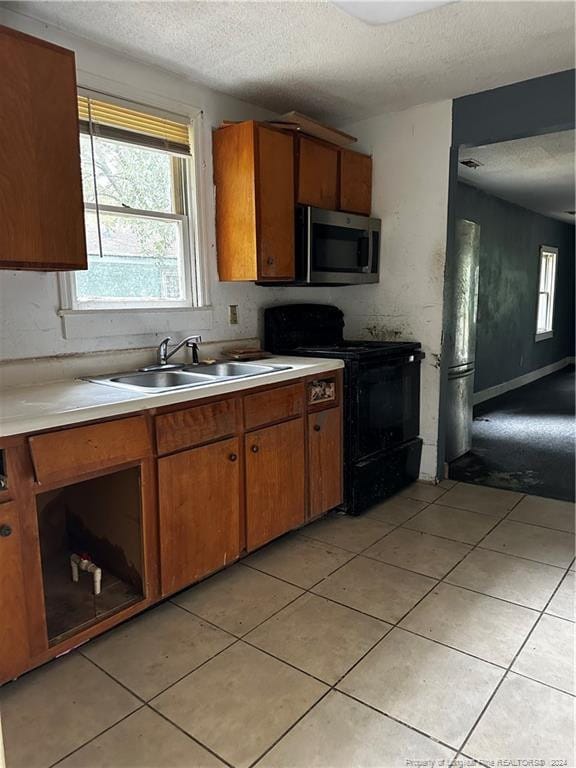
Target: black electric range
<point>381,398</point>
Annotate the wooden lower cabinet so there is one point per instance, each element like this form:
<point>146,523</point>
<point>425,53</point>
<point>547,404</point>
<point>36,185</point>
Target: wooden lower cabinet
<point>199,493</point>
<point>238,473</point>
<point>324,461</point>
<point>14,650</point>
<point>275,484</point>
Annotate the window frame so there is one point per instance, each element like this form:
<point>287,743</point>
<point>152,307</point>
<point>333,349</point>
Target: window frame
<point>194,235</point>
<point>545,252</point>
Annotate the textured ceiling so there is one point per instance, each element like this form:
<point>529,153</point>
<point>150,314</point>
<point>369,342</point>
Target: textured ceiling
<point>313,57</point>
<point>536,173</point>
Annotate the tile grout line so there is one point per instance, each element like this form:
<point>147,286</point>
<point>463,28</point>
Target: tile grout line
<point>146,705</point>
<point>391,624</point>
<point>358,661</point>
<point>475,546</point>
<point>332,689</point>
<point>242,638</point>
<point>101,733</point>
<point>528,559</point>
<point>509,669</point>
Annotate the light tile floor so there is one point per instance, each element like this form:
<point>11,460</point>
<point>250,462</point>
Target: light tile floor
<point>437,629</point>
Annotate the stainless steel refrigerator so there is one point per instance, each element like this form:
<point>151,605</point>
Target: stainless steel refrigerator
<point>460,347</point>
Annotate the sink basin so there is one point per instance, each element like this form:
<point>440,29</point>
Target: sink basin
<point>181,377</point>
<point>235,370</point>
<point>160,379</point>
<point>157,381</point>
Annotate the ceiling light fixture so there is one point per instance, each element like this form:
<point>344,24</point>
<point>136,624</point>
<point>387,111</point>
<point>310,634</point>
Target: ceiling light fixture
<point>375,12</point>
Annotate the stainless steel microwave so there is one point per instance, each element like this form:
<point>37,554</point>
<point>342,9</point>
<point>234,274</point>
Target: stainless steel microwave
<point>335,248</point>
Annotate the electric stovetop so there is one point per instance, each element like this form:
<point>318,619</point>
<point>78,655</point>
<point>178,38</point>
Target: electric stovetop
<point>355,349</point>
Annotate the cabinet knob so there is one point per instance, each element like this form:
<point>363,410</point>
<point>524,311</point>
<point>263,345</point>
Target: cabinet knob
<point>5,530</point>
<point>316,427</point>
<point>233,457</point>
<point>270,261</point>
<point>254,449</point>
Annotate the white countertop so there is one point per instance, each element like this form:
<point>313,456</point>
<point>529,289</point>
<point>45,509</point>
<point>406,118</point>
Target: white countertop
<point>30,408</point>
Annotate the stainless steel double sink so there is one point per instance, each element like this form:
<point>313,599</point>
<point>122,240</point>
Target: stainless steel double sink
<point>170,377</point>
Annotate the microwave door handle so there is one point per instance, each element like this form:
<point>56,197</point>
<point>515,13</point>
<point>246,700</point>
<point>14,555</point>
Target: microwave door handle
<point>364,252</point>
<point>370,251</point>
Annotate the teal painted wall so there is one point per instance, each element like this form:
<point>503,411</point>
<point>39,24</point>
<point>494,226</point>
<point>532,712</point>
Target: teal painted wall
<point>510,240</point>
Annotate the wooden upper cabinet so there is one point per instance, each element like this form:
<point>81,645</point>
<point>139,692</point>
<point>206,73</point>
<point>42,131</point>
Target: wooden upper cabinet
<point>41,207</point>
<point>355,182</point>
<point>254,178</point>
<point>317,174</point>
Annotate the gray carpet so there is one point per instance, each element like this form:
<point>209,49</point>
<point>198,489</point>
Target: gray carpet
<point>524,440</point>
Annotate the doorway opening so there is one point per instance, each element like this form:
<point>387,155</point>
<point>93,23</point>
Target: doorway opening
<point>510,318</point>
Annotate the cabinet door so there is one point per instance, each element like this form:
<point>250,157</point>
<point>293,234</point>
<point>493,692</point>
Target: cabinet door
<point>275,180</point>
<point>317,174</point>
<point>274,481</point>
<point>41,206</point>
<point>324,460</point>
<point>234,168</point>
<point>355,182</point>
<point>14,649</point>
<point>199,494</point>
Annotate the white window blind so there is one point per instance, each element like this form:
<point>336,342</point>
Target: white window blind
<point>114,121</point>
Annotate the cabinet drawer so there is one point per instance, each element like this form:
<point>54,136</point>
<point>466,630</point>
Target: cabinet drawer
<point>193,426</point>
<point>323,392</point>
<point>73,452</point>
<point>273,405</point>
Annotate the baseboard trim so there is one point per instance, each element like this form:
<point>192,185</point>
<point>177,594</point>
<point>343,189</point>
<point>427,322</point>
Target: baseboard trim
<point>521,381</point>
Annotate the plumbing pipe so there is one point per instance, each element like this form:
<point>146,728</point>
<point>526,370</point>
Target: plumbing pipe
<point>81,563</point>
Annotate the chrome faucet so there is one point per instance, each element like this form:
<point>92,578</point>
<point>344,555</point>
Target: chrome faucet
<point>190,341</point>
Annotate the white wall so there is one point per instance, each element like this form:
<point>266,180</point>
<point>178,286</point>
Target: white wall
<point>410,194</point>
<point>29,301</point>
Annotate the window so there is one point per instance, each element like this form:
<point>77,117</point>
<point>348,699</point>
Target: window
<point>136,174</point>
<point>545,316</point>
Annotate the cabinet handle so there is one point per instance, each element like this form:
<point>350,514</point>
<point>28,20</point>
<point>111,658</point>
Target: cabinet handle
<point>5,530</point>
<point>254,449</point>
<point>233,457</point>
<point>316,427</point>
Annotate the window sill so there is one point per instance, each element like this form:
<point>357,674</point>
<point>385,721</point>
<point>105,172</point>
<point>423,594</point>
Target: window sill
<point>98,323</point>
<point>544,336</point>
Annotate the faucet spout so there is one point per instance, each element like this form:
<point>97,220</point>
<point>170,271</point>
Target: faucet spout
<point>164,353</point>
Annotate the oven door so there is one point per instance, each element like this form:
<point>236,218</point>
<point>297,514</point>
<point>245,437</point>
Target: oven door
<point>387,403</point>
<point>342,248</point>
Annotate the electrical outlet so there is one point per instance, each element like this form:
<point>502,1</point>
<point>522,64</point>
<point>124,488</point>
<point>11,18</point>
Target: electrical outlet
<point>233,314</point>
